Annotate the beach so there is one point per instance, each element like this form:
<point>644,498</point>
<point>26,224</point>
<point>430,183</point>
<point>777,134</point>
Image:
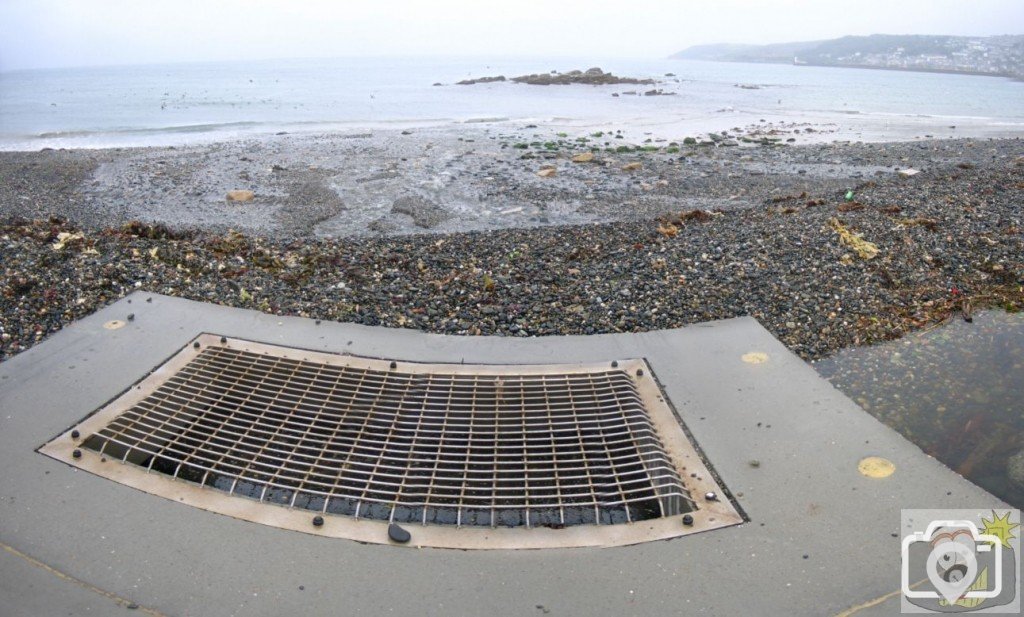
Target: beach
<point>496,230</point>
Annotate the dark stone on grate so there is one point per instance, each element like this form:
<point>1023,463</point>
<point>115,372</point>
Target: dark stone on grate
<point>398,534</point>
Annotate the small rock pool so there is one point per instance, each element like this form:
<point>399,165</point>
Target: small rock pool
<point>956,391</point>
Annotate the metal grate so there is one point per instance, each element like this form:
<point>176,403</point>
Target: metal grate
<point>510,450</point>
<point>452,445</point>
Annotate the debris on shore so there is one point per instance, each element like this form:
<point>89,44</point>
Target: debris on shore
<point>686,237</point>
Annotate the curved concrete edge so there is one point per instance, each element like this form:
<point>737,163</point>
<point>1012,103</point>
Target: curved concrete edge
<point>805,498</point>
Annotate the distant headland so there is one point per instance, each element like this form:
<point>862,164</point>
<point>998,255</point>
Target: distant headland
<point>994,55</point>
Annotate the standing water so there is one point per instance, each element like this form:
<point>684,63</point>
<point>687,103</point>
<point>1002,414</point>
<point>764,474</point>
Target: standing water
<point>955,391</point>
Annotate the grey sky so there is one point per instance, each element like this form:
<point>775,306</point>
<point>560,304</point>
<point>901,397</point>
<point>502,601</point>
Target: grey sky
<point>47,33</point>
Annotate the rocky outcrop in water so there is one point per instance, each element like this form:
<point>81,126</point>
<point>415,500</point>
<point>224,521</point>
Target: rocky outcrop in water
<point>479,80</point>
<point>592,76</point>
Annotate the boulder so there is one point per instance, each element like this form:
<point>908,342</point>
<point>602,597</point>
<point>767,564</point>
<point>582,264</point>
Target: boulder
<point>240,195</point>
<point>547,172</point>
<point>583,157</point>
<point>634,166</point>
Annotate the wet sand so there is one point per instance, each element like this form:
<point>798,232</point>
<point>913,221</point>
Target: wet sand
<point>443,180</point>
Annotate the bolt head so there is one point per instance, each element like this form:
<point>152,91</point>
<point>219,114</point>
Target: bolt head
<point>687,520</point>
<point>710,496</point>
<point>75,434</point>
<point>318,521</point>
<point>77,454</point>
<point>615,364</point>
<point>196,344</point>
<point>223,339</point>
<point>394,364</point>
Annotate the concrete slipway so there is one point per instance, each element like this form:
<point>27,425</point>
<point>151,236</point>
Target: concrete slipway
<point>820,539</point>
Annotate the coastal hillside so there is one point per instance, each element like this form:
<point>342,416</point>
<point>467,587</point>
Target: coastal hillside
<point>995,55</point>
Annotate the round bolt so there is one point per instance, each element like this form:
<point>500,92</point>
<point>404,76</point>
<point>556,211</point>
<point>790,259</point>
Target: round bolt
<point>687,520</point>
<point>318,521</point>
<point>639,372</point>
<point>615,364</point>
<point>223,339</point>
<point>710,496</point>
<point>196,344</point>
<point>394,364</point>
<point>76,454</point>
<point>75,434</point>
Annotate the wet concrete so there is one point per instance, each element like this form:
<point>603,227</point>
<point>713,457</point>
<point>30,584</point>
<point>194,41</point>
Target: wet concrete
<point>811,513</point>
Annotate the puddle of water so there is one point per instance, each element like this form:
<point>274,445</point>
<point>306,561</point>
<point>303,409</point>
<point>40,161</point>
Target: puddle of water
<point>956,391</point>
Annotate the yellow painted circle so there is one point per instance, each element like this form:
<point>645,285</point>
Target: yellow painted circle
<point>114,324</point>
<point>876,467</point>
<point>755,357</point>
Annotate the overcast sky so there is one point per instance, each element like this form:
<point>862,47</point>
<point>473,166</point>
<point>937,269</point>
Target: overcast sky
<point>50,33</point>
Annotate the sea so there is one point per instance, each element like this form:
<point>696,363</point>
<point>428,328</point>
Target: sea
<point>178,104</point>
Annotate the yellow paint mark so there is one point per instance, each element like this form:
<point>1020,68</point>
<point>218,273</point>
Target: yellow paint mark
<point>114,324</point>
<point>877,601</point>
<point>755,357</point>
<point>75,581</point>
<point>876,467</point>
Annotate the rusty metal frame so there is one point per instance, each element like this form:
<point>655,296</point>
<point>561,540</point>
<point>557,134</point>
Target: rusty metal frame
<point>697,478</point>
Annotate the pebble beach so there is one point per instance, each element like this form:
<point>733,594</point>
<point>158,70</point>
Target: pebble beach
<point>828,245</point>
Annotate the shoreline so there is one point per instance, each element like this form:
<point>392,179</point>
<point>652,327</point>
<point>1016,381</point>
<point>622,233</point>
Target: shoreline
<point>938,71</point>
<point>468,239</point>
<point>836,126</point>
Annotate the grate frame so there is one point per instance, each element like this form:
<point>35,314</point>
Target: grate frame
<point>685,461</point>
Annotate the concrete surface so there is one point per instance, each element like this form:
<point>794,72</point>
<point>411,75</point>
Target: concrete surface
<point>819,542</point>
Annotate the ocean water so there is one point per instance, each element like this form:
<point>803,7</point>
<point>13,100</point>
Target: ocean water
<point>189,103</point>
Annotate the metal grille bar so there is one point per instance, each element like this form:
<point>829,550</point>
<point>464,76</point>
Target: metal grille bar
<point>506,447</point>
